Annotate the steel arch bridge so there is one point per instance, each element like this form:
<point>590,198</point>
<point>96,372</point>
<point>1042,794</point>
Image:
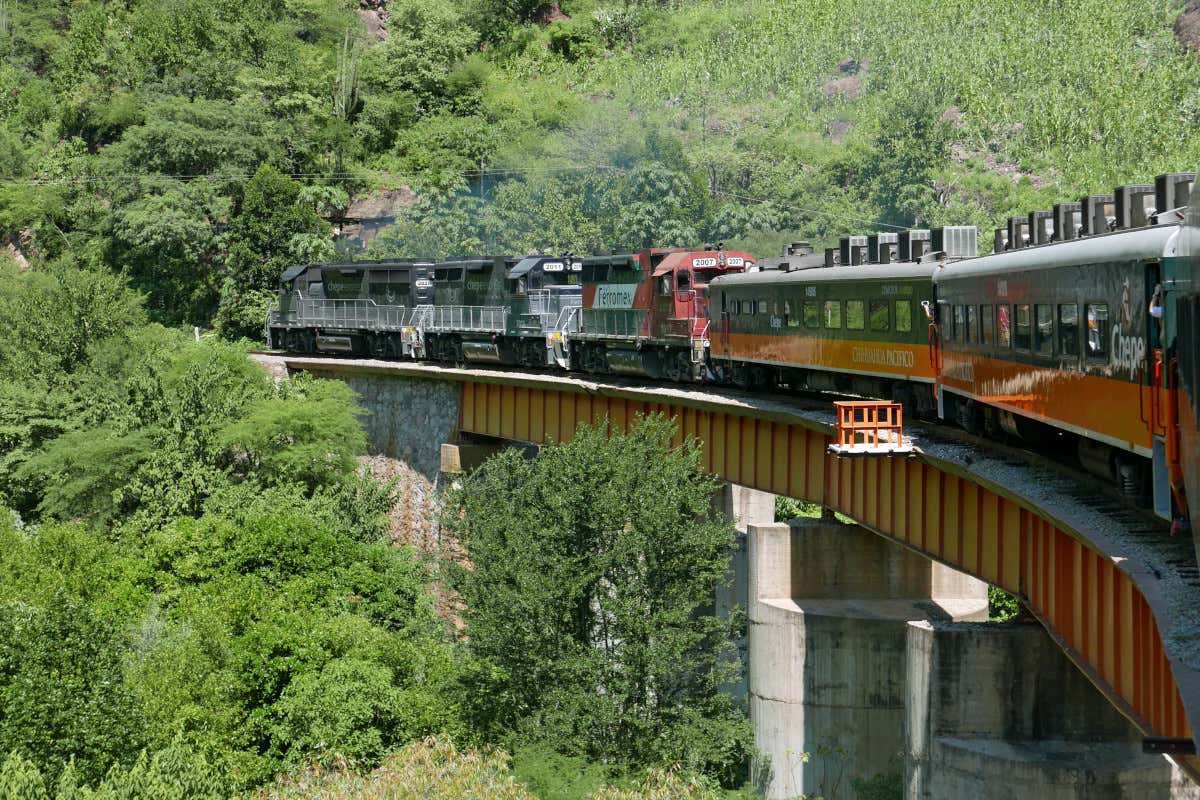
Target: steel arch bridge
<point>1114,597</point>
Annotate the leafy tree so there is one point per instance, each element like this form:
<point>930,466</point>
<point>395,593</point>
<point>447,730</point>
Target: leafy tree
<point>270,222</point>
<point>309,435</point>
<point>174,773</point>
<point>51,319</point>
<point>169,244</point>
<point>62,692</point>
<point>426,39</point>
<point>587,603</point>
<point>434,769</point>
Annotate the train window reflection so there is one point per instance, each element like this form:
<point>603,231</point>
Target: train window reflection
<point>987,322</point>
<point>1068,329</point>
<point>1097,330</point>
<point>960,323</point>
<point>904,315</point>
<point>1003,326</point>
<point>855,315</point>
<point>972,324</point>
<point>880,315</point>
<point>833,314</point>
<point>1023,338</point>
<point>1044,334</point>
<point>812,314</point>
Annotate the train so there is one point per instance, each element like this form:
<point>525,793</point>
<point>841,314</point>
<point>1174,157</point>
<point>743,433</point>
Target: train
<point>1081,328</point>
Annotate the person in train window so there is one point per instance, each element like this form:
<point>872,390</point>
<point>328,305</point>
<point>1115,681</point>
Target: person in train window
<point>1003,325</point>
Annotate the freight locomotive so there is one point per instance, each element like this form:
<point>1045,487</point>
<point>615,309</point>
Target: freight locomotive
<point>1082,327</point>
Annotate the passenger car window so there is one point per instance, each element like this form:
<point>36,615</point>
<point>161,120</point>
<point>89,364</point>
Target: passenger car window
<point>1023,339</point>
<point>972,324</point>
<point>987,323</point>
<point>1043,338</point>
<point>904,315</point>
<point>1003,326</point>
<point>1068,329</point>
<point>855,315</point>
<point>833,314</point>
<point>1097,330</point>
<point>793,321</point>
<point>812,314</point>
<point>960,324</point>
<point>880,315</point>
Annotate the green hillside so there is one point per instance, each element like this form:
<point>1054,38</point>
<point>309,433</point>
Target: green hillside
<point>130,129</point>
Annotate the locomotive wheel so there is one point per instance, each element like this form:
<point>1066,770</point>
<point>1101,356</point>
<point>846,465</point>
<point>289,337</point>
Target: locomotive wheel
<point>679,366</point>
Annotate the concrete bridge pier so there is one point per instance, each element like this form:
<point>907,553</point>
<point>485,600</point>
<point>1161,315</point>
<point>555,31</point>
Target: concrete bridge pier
<point>743,507</point>
<point>829,611</point>
<point>998,711</point>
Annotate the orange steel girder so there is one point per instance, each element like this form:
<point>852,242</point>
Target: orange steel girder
<point>1092,609</point>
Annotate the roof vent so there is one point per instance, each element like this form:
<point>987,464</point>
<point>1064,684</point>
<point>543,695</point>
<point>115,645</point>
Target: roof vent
<point>1067,221</point>
<point>1000,243</point>
<point>833,257</point>
<point>1135,205</point>
<point>853,249</point>
<point>912,244</point>
<point>956,241</point>
<point>881,248</point>
<point>1172,190</point>
<point>1097,211</point>
<point>1041,227</point>
<point>1018,232</point>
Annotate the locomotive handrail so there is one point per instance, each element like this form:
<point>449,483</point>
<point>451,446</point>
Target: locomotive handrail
<point>488,319</point>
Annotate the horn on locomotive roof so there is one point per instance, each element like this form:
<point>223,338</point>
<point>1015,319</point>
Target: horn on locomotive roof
<point>1018,232</point>
<point>955,241</point>
<point>1172,190</point>
<point>1041,227</point>
<point>913,243</point>
<point>1134,205</point>
<point>1097,210</point>
<point>853,249</point>
<point>881,248</point>
<point>1067,221</point>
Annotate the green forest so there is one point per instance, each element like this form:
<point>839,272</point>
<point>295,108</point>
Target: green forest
<point>199,597</point>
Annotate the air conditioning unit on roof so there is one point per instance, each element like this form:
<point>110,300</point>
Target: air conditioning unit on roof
<point>853,250</point>
<point>1018,232</point>
<point>1041,227</point>
<point>881,248</point>
<point>956,241</point>
<point>1173,190</point>
<point>1134,205</point>
<point>1067,220</point>
<point>912,244</point>
<point>1096,211</point>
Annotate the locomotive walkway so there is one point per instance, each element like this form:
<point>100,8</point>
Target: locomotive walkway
<point>1114,592</point>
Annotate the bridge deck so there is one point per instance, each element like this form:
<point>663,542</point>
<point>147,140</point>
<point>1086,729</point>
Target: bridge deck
<point>1119,596</point>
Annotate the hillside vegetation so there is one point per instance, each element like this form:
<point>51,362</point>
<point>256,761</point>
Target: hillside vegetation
<point>131,130</point>
<point>199,596</point>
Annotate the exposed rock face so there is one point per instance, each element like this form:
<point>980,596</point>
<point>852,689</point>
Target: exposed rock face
<point>849,87</point>
<point>1187,26</point>
<point>547,13</point>
<point>374,14</point>
<point>838,130</point>
<point>369,214</point>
